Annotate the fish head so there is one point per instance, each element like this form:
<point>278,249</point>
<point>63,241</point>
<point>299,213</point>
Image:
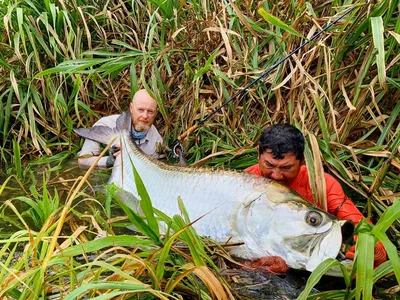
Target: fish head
<point>309,234</point>
<point>279,222</point>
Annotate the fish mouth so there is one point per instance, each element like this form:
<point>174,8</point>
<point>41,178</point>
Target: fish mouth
<point>328,245</point>
<point>347,230</point>
<point>347,235</point>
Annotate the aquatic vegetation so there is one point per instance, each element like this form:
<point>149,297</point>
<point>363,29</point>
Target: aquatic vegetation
<point>41,206</point>
<point>63,64</point>
<point>88,262</point>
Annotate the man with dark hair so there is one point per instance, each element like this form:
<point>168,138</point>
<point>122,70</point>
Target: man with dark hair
<point>281,157</point>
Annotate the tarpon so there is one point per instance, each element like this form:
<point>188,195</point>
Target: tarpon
<point>269,218</point>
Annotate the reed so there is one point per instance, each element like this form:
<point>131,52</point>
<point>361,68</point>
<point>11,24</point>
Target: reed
<point>91,260</point>
<point>64,64</point>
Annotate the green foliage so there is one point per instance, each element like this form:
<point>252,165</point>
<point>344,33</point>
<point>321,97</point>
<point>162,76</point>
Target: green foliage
<point>377,33</point>
<point>17,159</point>
<point>41,205</point>
<point>276,22</point>
<point>363,267</point>
<point>145,202</point>
<point>167,7</point>
<point>63,64</point>
<point>109,265</point>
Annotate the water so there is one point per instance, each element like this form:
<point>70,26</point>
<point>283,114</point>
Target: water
<point>61,179</point>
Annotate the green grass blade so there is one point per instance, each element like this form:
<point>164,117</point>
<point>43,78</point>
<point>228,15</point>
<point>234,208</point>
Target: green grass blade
<point>390,215</point>
<point>391,252</point>
<point>103,243</point>
<point>389,125</point>
<point>365,265</point>
<point>166,252</point>
<point>145,202</point>
<point>189,236</point>
<point>17,159</point>
<point>316,275</point>
<point>383,270</point>
<point>139,223</point>
<point>278,23</point>
<point>377,34</point>
<point>137,288</point>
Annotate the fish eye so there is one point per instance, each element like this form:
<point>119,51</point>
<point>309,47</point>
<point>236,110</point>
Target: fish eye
<point>313,218</point>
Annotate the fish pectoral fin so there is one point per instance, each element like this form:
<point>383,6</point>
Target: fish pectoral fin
<point>268,264</point>
<point>124,122</point>
<point>130,200</point>
<point>252,197</point>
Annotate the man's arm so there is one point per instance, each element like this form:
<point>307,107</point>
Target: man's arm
<point>338,203</point>
<point>91,150</point>
<point>89,153</point>
<point>342,207</point>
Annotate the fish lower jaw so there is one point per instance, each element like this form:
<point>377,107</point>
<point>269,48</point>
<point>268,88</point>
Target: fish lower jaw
<point>247,253</point>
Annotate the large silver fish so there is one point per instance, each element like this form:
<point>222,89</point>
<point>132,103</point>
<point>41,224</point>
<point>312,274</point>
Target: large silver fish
<point>269,218</point>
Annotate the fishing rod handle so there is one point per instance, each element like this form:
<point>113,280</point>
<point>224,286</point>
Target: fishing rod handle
<point>187,132</point>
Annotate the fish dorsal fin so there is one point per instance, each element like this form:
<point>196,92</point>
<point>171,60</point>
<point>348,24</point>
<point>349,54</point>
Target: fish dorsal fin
<point>124,122</point>
<point>100,134</point>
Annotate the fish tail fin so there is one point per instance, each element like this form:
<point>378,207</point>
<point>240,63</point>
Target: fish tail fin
<point>124,122</point>
<point>100,134</point>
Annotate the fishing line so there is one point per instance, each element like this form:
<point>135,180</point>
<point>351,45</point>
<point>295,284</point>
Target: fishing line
<point>177,147</point>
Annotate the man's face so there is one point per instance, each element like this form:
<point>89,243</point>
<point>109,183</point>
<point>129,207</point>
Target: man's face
<point>283,170</point>
<point>143,111</point>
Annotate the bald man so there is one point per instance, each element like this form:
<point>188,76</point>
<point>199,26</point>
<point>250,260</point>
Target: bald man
<point>143,110</point>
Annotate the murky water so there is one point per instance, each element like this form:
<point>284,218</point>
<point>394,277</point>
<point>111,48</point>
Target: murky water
<point>61,179</point>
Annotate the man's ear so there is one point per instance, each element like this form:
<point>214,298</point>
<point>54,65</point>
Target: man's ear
<point>130,107</point>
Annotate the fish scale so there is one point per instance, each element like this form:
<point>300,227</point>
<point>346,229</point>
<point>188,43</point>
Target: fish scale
<point>164,197</point>
<point>270,219</point>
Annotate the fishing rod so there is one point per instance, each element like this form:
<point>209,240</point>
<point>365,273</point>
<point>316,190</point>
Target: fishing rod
<point>177,148</point>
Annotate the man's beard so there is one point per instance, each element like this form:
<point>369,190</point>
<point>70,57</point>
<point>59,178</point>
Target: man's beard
<point>141,127</point>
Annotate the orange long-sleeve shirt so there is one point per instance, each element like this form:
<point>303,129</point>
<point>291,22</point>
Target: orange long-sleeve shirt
<point>338,203</point>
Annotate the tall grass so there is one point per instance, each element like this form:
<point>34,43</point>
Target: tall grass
<point>63,64</point>
<point>91,261</point>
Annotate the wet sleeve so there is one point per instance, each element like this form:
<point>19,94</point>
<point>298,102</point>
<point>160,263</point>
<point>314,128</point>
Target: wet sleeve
<point>342,207</point>
<point>89,154</point>
<point>339,204</point>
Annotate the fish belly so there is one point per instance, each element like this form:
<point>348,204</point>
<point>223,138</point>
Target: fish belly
<point>213,197</point>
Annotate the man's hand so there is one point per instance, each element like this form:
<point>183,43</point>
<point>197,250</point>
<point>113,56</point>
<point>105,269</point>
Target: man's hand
<point>268,264</point>
<point>115,150</point>
<point>379,254</point>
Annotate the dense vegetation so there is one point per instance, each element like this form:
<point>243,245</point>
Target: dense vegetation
<point>63,64</point>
